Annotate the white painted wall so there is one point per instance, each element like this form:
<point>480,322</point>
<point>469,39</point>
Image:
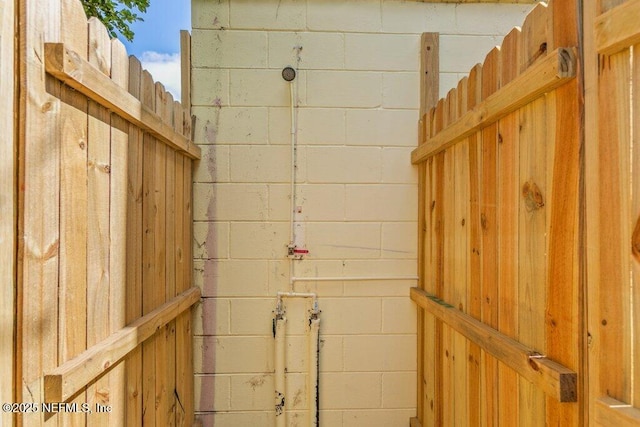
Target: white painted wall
<point>357,124</point>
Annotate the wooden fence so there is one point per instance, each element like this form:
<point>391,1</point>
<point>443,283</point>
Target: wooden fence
<point>103,283</point>
<point>612,130</point>
<point>501,334</point>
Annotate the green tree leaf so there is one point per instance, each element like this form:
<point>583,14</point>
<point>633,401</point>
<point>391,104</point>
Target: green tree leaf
<point>116,15</point>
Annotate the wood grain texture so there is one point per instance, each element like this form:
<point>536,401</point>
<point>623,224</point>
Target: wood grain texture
<point>8,202</point>
<point>38,213</point>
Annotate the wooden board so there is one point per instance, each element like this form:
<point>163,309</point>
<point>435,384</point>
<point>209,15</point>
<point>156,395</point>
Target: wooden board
<point>98,221</point>
<point>118,227</point>
<point>508,203</point>
<point>8,202</point>
<point>133,308</point>
<point>38,201</point>
<point>488,224</point>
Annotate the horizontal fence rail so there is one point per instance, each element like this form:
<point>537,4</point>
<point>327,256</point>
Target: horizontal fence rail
<point>70,377</point>
<point>78,73</point>
<point>553,71</point>
<point>556,380</point>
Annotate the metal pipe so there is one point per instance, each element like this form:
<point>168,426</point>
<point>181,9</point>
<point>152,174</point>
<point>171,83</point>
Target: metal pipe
<point>313,385</point>
<point>280,365</point>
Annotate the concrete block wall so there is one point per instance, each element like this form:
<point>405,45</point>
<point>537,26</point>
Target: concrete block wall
<point>357,99</point>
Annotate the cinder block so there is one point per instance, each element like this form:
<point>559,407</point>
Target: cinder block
<point>331,417</point>
<point>210,240</point>
<point>315,126</point>
<point>252,392</point>
<point>331,351</point>
<point>231,125</point>
<point>350,390</point>
<point>342,316</point>
<point>230,202</point>
<point>338,240</point>
<point>252,316</point>
<point>228,355</point>
<point>268,14</point>
<point>214,164</point>
<point>322,202</point>
<point>297,353</point>
<point>382,52</point>
<point>258,241</point>
<point>396,166</point>
<point>321,126</point>
<point>381,202</point>
<point>458,54</point>
<point>344,16</point>
<point>343,89</point>
<point>309,267</point>
<point>265,164</point>
<point>380,268</point>
<point>231,278</point>
<point>377,418</point>
<point>399,239</point>
<point>265,88</point>
<point>382,127</point>
<point>377,353</point>
<point>399,390</point>
<point>228,49</point>
<point>399,90</point>
<point>398,316</point>
<point>253,418</point>
<point>414,17</point>
<point>308,51</point>
<point>211,317</point>
<point>343,165</point>
<point>213,87</point>
<point>280,125</point>
<point>496,19</point>
<point>212,392</point>
<point>207,14</point>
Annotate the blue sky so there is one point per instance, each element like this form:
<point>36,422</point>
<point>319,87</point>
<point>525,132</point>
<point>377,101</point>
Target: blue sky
<point>157,40</point>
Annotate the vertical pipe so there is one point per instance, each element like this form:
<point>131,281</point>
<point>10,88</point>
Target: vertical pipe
<point>280,344</point>
<point>314,368</point>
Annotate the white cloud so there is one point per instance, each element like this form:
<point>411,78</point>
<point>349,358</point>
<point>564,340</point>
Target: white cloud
<point>165,68</point>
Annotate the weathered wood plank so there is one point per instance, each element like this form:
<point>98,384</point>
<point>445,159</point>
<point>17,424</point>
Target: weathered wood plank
<point>69,67</point>
<point>429,89</point>
<point>558,68</point>
<point>635,227</point>
<point>557,381</point>
<point>68,378</point>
